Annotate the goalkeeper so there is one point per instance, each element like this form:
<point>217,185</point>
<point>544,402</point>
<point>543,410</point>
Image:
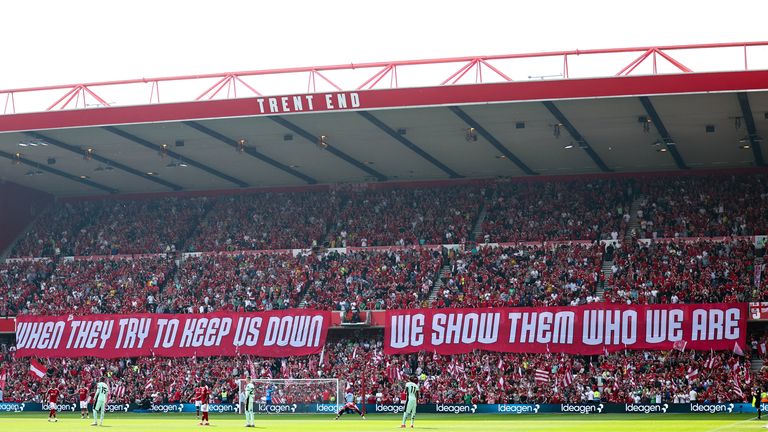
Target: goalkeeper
<point>100,403</point>
<point>250,390</point>
<point>412,395</point>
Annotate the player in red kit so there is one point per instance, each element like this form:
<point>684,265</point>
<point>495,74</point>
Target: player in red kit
<point>53,398</point>
<point>82,393</point>
<point>205,395</point>
<point>196,400</point>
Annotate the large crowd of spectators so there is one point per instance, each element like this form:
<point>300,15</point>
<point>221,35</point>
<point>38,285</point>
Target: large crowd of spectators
<point>100,285</point>
<point>265,221</point>
<point>703,206</point>
<point>405,217</point>
<point>524,275</point>
<point>239,282</point>
<point>548,274</point>
<point>566,210</point>
<point>53,233</point>
<point>479,377</point>
<point>20,281</point>
<point>515,211</point>
<point>530,271</point>
<point>112,227</point>
<point>368,280</point>
<point>702,271</point>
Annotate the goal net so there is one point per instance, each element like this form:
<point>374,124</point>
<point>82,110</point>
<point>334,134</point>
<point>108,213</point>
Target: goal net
<point>277,396</point>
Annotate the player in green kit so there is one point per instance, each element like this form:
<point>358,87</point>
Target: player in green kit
<point>412,395</point>
<point>248,398</point>
<point>100,403</point>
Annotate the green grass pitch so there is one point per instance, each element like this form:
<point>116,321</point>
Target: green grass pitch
<point>70,422</point>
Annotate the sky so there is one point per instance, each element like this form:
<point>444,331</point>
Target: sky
<point>59,42</point>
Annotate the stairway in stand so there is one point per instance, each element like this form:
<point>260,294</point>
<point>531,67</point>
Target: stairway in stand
<point>444,273</point>
<point>634,221</point>
<point>607,271</point>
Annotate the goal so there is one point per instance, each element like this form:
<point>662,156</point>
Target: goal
<point>286,394</point>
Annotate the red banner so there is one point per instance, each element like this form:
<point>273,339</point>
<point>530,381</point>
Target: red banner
<point>267,334</point>
<point>590,329</point>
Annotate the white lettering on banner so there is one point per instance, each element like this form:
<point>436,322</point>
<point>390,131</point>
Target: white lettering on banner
<point>732,317</point>
<point>663,325</point>
<point>132,333</point>
<point>205,332</point>
<point>545,324</point>
<point>86,334</point>
<point>247,332</point>
<point>217,329</point>
<point>458,328</point>
<point>611,327</point>
<point>341,100</point>
<point>290,330</point>
<point>166,332</point>
<point>221,333</point>
<point>542,327</point>
<point>406,328</point>
<point>714,324</point>
<point>37,335</point>
<point>528,329</point>
<point>51,334</point>
<point>629,329</point>
<point>299,103</point>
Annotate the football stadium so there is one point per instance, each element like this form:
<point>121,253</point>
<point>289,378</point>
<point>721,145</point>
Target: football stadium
<point>447,243</point>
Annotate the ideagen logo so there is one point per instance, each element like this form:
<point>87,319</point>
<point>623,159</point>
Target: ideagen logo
<point>276,408</point>
<point>166,408</point>
<point>117,407</point>
<point>645,408</point>
<point>325,408</point>
<point>390,408</point>
<point>59,407</point>
<point>518,409</point>
<point>456,409</point>
<point>223,408</point>
<point>581,409</point>
<point>711,409</point>
<point>12,407</point>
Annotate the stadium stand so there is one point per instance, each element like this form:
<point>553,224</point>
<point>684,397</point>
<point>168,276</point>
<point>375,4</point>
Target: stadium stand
<point>702,271</point>
<point>623,377</point>
<point>110,227</point>
<point>714,206</point>
<point>101,285</point>
<point>19,282</point>
<point>407,217</point>
<point>574,210</point>
<point>240,282</point>
<point>526,275</point>
<point>375,280</point>
<point>536,254</point>
<point>265,221</point>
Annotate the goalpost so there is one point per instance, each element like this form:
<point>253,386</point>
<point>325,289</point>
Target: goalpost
<point>286,392</point>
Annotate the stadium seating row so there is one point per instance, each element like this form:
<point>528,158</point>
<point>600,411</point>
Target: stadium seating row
<point>522,275</point>
<point>498,212</point>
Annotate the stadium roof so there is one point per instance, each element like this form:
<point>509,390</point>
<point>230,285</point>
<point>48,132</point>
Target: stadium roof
<point>682,120</point>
